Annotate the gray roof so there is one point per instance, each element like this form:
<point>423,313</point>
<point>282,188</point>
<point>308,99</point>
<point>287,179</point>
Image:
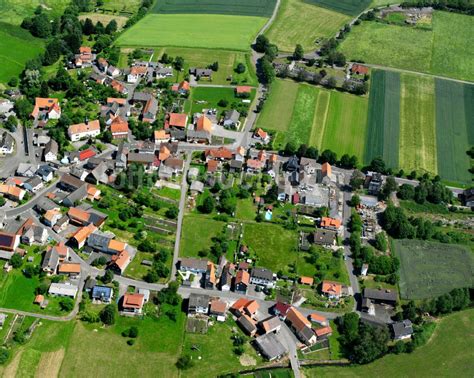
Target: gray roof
<point>232,115</point>
<point>270,346</point>
<point>198,300</point>
<point>142,96</point>
<point>262,273</point>
<point>26,169</point>
<point>7,140</point>
<point>51,259</point>
<point>323,236</point>
<point>195,264</point>
<point>99,239</point>
<point>51,146</point>
<point>404,328</point>
<point>197,186</point>
<point>63,289</point>
<point>246,324</point>
<point>34,181</point>
<point>306,333</point>
<point>199,134</point>
<point>71,181</point>
<point>44,170</point>
<point>381,294</point>
<point>134,157</point>
<point>78,195</point>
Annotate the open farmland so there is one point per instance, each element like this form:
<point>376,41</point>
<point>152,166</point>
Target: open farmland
<point>193,30</point>
<point>124,7</point>
<point>263,8</point>
<point>454,129</point>
<point>384,117</point>
<point>303,114</point>
<point>14,11</point>
<point>430,269</point>
<point>17,46</point>
<point>447,354</point>
<point>291,25</point>
<point>446,50</point>
<point>349,7</point>
<point>417,123</point>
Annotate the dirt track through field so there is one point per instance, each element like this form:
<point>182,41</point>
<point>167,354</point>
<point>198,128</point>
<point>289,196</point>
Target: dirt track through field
<point>50,364</point>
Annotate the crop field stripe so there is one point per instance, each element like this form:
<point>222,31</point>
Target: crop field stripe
<point>376,117</point>
<point>262,8</point>
<point>391,129</point>
<point>349,7</point>
<point>277,111</point>
<point>303,115</point>
<point>417,123</point>
<point>452,131</point>
<point>469,108</point>
<point>320,119</point>
<point>346,128</point>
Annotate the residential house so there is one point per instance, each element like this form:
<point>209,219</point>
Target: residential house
<point>136,72</point>
<point>247,324</point>
<point>51,217</point>
<point>9,241</point>
<point>113,71</point>
<point>225,282</point>
<point>318,319</point>
<point>12,192</point>
<point>200,73</point>
<point>402,330</point>
<point>300,326</point>
<point>261,135</point>
<point>323,333</point>
<point>332,290</point>
<point>119,262</point>
<point>50,152</point>
<point>281,309</point>
<point>73,270</point>
<point>373,182</point>
<point>80,236</point>
<point>326,238</point>
<point>231,119</point>
<point>33,184</point>
<point>385,296</point>
<point>26,169</point>
<point>195,266</point>
<point>46,108</point>
<point>149,110</point>
<point>119,128</point>
<point>176,121</point>
<point>219,309</point>
<point>242,281</point>
<point>244,306</point>
<point>63,290</point>
<point>34,234</point>
<point>7,142</point>
<point>359,69</point>
<point>76,196</point>
<point>182,88</point>
<point>254,165</point>
<point>271,324</point>
<point>163,72</point>
<point>103,294</point>
<point>84,130</point>
<point>262,276</point>
<point>50,261</point>
<point>330,223</point>
<point>132,303</point>
<point>84,58</point>
<point>270,347</point>
<point>45,172</point>
<point>468,197</point>
<point>242,90</point>
<point>198,304</point>
<point>306,280</point>
<point>161,136</point>
<point>221,153</point>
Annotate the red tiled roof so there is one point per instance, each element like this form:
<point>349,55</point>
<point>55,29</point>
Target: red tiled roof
<point>86,154</point>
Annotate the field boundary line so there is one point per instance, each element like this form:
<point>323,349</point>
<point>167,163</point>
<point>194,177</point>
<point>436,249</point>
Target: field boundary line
<point>324,119</point>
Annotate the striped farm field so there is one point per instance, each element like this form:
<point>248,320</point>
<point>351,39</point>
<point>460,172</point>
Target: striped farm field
<point>320,117</point>
<point>345,129</point>
<point>278,109</point>
<point>349,7</point>
<point>417,123</point>
<point>454,128</point>
<point>303,115</point>
<point>384,117</point>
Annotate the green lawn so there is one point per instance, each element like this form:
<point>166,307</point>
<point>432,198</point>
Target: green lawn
<point>209,97</point>
<point>384,117</point>
<point>445,50</point>
<point>291,25</point>
<point>262,8</point>
<point>431,269</point>
<point>197,234</point>
<point>121,6</point>
<point>246,210</point>
<point>17,46</point>
<point>193,30</point>
<point>202,58</point>
<point>274,246</point>
<point>320,118</point>
<point>417,123</point>
<point>14,11</point>
<point>170,193</point>
<point>454,130</point>
<point>447,354</point>
<point>301,122</point>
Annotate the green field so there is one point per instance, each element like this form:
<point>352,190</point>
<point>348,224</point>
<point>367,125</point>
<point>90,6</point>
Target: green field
<point>193,30</point>
<point>447,354</point>
<point>197,234</point>
<point>209,97</point>
<point>291,25</point>
<point>384,117</point>
<point>446,50</point>
<point>303,115</point>
<point>14,11</point>
<point>263,8</point>
<point>17,46</point>
<point>201,58</point>
<point>125,7</point>
<point>454,129</point>
<point>417,123</point>
<point>430,269</point>
<point>349,7</point>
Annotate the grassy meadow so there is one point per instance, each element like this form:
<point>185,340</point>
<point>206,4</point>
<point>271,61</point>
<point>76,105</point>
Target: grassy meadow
<point>193,30</point>
<point>198,234</point>
<point>447,354</point>
<point>430,269</point>
<point>417,123</point>
<point>446,50</point>
<point>291,25</point>
<point>104,18</point>
<point>349,7</point>
<point>262,8</point>
<point>17,46</point>
<point>14,11</point>
<point>125,7</point>
<point>384,117</point>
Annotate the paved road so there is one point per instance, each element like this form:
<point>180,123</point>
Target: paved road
<point>182,204</point>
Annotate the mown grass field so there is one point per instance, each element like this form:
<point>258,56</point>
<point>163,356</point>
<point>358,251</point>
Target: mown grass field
<point>197,234</point>
<point>17,46</point>
<point>447,354</point>
<point>384,117</point>
<point>453,128</point>
<point>446,50</point>
<point>301,122</point>
<point>263,8</point>
<point>417,123</point>
<point>121,6</point>
<point>349,7</point>
<point>430,269</point>
<point>193,30</point>
<point>291,25</point>
<point>201,58</point>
